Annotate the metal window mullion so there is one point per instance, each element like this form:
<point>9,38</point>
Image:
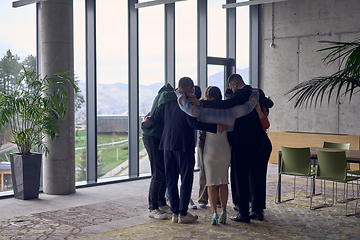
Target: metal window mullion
<point>230,68</point>
<point>202,43</point>
<point>21,3</point>
<point>249,3</point>
<point>91,113</point>
<point>201,50</point>
<point>38,38</point>
<point>254,46</point>
<point>217,61</point>
<point>155,2</point>
<point>38,64</point>
<point>170,44</point>
<point>133,42</point>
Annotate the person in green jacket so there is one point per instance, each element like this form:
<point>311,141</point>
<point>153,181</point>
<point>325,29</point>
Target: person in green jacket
<point>151,138</point>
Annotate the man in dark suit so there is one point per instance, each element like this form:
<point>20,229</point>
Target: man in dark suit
<point>178,143</point>
<point>246,145</point>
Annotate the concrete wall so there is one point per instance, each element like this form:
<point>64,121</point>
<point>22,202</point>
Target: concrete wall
<point>297,27</point>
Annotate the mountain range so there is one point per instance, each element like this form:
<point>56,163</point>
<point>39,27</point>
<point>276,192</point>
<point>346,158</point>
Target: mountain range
<point>112,99</point>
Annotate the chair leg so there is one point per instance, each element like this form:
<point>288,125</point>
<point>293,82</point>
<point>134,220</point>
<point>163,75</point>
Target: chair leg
<point>352,185</point>
<point>276,195</point>
<point>321,181</point>
<point>357,197</point>
<point>333,194</point>
<point>294,185</point>
<point>336,193</point>
<point>313,187</point>
<point>311,195</point>
<point>324,192</point>
<point>277,191</point>
<point>346,200</point>
<point>325,204</point>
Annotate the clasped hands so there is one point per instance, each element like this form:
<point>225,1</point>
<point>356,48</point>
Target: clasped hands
<point>192,98</point>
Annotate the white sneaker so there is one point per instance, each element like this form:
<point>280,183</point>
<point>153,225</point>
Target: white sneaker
<point>192,204</point>
<point>175,218</point>
<point>165,209</point>
<point>202,205</point>
<point>188,218</point>
<point>157,214</point>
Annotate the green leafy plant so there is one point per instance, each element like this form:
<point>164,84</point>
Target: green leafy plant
<point>32,106</point>
<point>345,81</point>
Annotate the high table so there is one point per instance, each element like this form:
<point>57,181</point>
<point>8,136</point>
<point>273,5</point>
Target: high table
<point>352,156</point>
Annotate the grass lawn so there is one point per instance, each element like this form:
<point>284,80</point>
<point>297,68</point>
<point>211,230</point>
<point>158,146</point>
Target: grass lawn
<point>109,156</point>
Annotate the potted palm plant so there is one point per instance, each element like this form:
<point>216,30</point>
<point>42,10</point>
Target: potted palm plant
<point>345,81</point>
<point>31,106</point>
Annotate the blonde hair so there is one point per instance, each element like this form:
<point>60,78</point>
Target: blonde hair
<point>206,93</point>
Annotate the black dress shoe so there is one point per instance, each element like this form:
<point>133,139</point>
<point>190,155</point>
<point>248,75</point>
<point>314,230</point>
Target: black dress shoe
<point>257,216</point>
<point>239,218</point>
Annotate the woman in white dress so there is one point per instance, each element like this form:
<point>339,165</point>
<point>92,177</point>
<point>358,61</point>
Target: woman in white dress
<point>216,163</point>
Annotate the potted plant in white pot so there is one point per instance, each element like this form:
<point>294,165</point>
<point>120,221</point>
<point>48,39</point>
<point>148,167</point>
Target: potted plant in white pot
<point>31,106</point>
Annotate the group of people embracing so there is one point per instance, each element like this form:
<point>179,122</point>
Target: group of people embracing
<point>232,133</point>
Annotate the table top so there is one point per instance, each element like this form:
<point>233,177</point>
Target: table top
<point>351,155</point>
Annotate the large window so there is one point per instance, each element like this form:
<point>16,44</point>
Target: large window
<point>186,40</point>
<point>216,77</point>
<point>216,29</point>
<point>151,66</point>
<point>242,42</point>
<point>80,106</point>
<point>17,49</point>
<point>112,88</point>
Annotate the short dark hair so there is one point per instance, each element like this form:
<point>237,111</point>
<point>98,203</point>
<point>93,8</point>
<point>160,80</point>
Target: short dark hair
<point>197,91</point>
<point>185,82</point>
<point>234,78</point>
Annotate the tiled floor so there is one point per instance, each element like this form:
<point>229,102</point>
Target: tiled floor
<point>90,210</point>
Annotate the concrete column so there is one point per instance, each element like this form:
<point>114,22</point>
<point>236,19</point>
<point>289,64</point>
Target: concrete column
<point>57,54</point>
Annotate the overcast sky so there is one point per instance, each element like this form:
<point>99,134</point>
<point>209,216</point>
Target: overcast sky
<point>17,32</point>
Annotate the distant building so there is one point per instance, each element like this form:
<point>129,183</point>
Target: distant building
<point>114,123</point>
<point>5,174</point>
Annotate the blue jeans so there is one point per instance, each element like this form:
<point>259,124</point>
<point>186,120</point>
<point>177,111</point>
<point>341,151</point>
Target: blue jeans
<point>179,163</point>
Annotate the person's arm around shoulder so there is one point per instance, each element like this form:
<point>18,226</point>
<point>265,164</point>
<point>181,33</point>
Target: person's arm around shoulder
<point>186,106</point>
<point>208,127</point>
<point>242,110</point>
<point>151,120</point>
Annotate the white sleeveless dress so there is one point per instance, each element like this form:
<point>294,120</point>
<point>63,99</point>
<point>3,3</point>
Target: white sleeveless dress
<point>216,158</point>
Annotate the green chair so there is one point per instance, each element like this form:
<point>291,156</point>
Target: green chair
<point>295,162</point>
<point>342,146</point>
<point>332,166</point>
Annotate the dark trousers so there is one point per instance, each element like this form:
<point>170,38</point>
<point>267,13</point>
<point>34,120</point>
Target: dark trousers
<point>234,192</point>
<point>265,155</point>
<point>157,184</point>
<point>179,163</point>
<point>245,175</point>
